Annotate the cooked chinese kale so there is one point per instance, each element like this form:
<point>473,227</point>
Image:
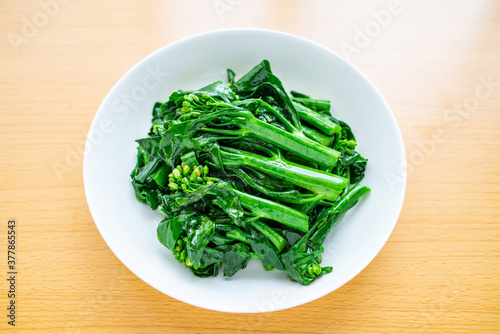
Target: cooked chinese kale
<point>246,171</point>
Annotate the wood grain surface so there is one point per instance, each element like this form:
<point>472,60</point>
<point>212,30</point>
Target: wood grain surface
<point>436,62</point>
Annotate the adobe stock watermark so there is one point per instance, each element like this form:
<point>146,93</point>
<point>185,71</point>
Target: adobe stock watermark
<point>455,117</point>
<point>31,25</point>
<point>276,298</point>
<point>363,36</point>
<point>121,108</point>
<point>224,6</point>
<point>449,294</point>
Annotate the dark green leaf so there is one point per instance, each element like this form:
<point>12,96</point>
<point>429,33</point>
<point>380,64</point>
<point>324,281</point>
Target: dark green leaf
<point>235,258</point>
<point>168,230</point>
<point>266,252</point>
<point>199,233</point>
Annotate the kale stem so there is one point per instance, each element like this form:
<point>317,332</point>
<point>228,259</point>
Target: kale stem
<point>345,203</point>
<point>316,136</point>
<point>317,120</point>
<point>321,106</point>
<point>319,182</point>
<point>291,196</point>
<point>239,133</point>
<point>273,111</point>
<point>273,236</point>
<point>299,145</point>
<point>271,210</point>
<point>295,142</point>
<point>239,235</point>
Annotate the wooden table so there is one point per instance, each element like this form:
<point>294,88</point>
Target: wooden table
<point>436,62</point>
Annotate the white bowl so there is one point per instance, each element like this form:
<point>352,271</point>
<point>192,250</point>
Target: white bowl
<point>129,227</point>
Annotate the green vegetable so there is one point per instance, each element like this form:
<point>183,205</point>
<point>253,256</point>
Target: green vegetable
<point>243,171</point>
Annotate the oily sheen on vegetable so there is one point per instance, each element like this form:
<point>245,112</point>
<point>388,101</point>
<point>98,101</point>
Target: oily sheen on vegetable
<point>244,171</point>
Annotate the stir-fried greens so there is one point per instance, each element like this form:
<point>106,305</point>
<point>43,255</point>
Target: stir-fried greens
<point>245,171</point>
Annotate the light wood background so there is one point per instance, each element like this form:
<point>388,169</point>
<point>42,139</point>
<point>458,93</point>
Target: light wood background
<point>439,271</point>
